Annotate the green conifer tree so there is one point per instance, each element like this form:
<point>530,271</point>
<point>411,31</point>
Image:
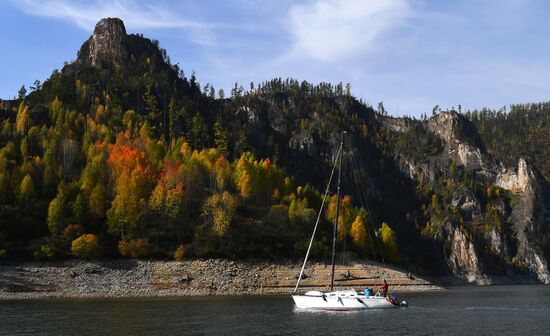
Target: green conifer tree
<point>221,137</point>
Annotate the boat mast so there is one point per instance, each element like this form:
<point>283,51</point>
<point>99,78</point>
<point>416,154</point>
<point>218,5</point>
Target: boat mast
<point>334,231</point>
<point>318,218</point>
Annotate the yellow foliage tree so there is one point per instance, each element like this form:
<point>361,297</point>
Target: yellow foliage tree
<point>86,246</point>
<point>223,171</point>
<point>345,214</point>
<point>244,185</point>
<point>358,232</point>
<point>100,111</point>
<point>26,189</point>
<point>389,240</point>
<point>23,118</point>
<point>55,109</point>
<point>218,211</point>
<point>179,254</point>
<point>185,149</point>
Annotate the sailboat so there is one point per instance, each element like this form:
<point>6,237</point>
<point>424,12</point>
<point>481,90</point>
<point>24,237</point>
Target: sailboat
<point>338,300</point>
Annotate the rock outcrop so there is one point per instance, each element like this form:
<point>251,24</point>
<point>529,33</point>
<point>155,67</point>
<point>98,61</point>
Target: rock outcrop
<point>516,181</point>
<point>530,216</point>
<point>465,200</point>
<point>110,47</point>
<point>462,144</point>
<point>463,260</point>
<point>518,251</point>
<point>108,44</point>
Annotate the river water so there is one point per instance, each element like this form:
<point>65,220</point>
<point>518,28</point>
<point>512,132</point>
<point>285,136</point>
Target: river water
<point>498,310</point>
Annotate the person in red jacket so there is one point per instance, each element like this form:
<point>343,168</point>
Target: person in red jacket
<point>384,288</point>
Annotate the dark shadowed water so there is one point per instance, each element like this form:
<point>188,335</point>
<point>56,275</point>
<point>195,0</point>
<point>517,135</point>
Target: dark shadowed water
<point>501,310</point>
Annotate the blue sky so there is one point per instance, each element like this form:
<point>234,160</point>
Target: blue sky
<point>410,54</point>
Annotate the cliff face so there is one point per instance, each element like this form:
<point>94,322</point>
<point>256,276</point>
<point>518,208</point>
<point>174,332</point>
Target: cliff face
<point>108,43</point>
<point>112,48</point>
<point>518,181</point>
<point>463,259</point>
<point>462,144</point>
<point>530,216</point>
<point>518,249</point>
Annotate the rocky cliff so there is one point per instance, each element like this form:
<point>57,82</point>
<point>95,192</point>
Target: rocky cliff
<point>462,144</point>
<point>108,43</point>
<point>475,253</point>
<point>110,47</point>
<point>531,216</point>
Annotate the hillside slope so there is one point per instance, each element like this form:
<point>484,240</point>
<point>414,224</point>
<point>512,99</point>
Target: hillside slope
<point>121,154</point>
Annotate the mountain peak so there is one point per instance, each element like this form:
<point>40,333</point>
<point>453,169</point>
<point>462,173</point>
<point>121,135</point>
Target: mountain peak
<point>109,26</point>
<point>108,43</point>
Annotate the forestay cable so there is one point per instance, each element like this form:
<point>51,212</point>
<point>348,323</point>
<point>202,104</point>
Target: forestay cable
<point>318,218</point>
<point>363,199</point>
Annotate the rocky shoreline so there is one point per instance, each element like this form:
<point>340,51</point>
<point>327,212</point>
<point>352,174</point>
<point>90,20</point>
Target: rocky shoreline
<point>141,278</point>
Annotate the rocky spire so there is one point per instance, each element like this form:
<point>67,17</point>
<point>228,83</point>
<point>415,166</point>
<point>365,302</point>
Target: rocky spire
<point>108,43</point>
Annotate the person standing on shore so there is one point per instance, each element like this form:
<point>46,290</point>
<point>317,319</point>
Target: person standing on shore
<point>384,288</point>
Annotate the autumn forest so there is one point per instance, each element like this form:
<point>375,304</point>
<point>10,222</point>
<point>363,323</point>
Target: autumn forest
<point>121,154</point>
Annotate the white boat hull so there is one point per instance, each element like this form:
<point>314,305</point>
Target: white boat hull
<point>341,300</point>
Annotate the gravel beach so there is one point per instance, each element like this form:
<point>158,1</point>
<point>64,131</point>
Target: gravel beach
<point>132,278</point>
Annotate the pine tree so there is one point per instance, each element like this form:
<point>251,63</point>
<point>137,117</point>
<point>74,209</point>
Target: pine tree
<point>452,169</point>
<point>172,120</point>
<point>22,92</point>
<point>79,207</point>
<point>241,146</point>
<point>5,189</point>
<point>198,134</point>
<point>96,201</point>
<point>221,137</point>
<point>152,109</point>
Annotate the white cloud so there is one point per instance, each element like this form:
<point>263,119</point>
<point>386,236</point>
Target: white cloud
<point>136,15</point>
<point>332,30</point>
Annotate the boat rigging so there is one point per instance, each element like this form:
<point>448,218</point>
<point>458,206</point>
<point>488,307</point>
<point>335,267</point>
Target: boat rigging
<point>341,299</point>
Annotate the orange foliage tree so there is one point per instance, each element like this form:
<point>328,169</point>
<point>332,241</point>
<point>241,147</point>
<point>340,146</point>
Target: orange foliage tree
<point>167,197</point>
<point>133,176</point>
